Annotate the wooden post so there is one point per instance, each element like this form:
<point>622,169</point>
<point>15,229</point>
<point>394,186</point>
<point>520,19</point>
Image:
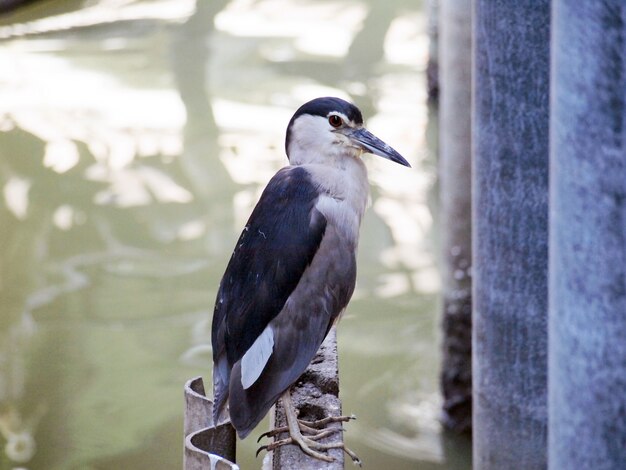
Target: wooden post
<point>510,233</point>
<point>432,68</point>
<point>206,446</point>
<point>455,176</point>
<point>316,396</point>
<point>587,325</point>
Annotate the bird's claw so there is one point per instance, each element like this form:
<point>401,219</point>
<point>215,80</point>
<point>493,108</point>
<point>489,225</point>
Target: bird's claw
<point>309,444</point>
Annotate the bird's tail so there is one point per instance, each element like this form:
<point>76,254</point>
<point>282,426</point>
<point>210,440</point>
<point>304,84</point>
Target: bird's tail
<point>220,390</point>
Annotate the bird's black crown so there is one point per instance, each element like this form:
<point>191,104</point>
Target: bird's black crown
<point>328,104</point>
<point>322,107</point>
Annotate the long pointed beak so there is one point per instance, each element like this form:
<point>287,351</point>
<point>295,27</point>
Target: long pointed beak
<point>364,139</point>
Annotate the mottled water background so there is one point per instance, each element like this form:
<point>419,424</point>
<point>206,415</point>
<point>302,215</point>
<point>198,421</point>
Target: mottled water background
<point>135,138</point>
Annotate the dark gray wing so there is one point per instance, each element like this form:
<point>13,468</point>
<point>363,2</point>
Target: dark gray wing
<point>276,246</point>
<point>298,330</point>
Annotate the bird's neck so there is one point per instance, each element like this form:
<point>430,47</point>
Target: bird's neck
<point>335,154</point>
<point>345,181</point>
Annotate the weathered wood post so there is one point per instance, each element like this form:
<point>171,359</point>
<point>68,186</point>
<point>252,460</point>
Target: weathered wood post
<point>432,67</point>
<point>587,325</point>
<point>207,445</point>
<point>455,169</point>
<point>510,233</point>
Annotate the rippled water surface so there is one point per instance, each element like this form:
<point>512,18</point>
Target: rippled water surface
<point>135,138</point>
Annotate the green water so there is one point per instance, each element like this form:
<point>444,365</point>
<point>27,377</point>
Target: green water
<point>135,138</point>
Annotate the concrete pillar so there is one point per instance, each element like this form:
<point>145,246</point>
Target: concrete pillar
<point>455,168</point>
<point>587,325</point>
<point>510,233</point>
<point>315,396</point>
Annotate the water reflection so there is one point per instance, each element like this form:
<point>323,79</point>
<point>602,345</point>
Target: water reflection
<point>135,137</point>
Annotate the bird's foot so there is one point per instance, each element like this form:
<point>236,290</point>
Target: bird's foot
<point>314,430</point>
<point>310,446</point>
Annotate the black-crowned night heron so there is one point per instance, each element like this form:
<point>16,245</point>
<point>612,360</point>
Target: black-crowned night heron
<point>293,270</point>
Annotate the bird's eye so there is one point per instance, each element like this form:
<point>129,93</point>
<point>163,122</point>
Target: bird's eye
<point>335,120</point>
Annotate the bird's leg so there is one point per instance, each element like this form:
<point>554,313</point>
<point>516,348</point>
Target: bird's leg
<point>308,444</point>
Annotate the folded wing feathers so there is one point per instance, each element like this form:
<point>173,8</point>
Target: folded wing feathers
<point>254,360</point>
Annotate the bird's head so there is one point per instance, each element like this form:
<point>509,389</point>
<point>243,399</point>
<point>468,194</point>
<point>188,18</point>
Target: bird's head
<point>327,130</point>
